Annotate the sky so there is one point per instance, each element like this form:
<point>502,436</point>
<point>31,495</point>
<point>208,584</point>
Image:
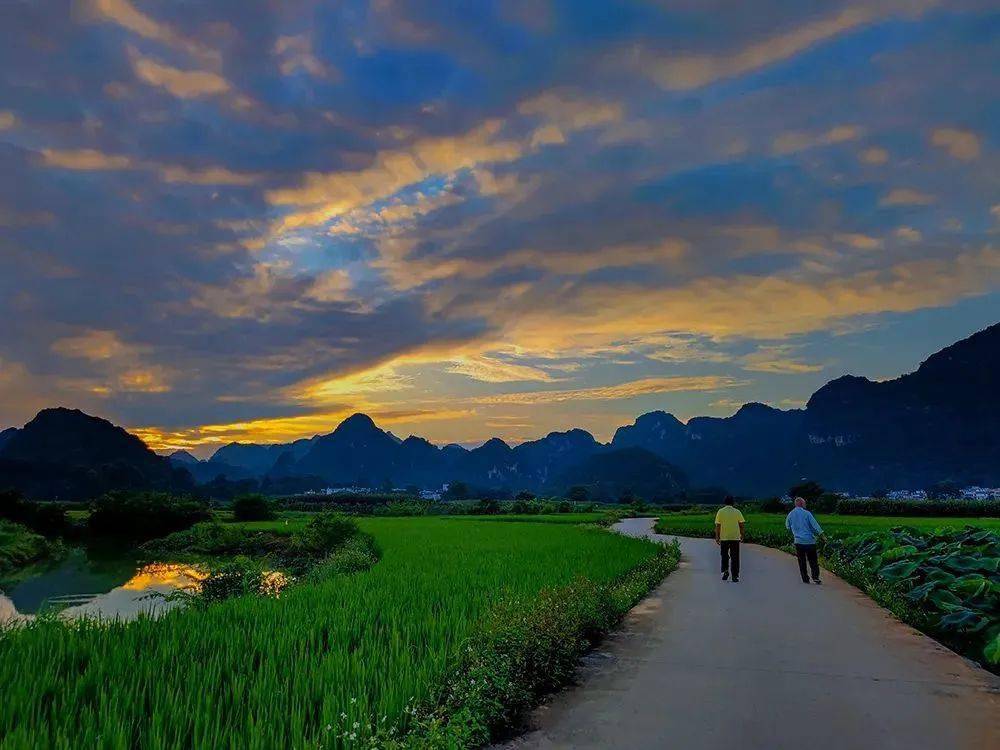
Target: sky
<point>247,219</point>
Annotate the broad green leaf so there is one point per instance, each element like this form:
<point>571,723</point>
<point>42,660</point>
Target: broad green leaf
<point>897,552</point>
<point>992,651</point>
<point>962,619</point>
<point>970,585</point>
<point>899,571</point>
<point>944,600</point>
<point>919,593</point>
<point>937,575</point>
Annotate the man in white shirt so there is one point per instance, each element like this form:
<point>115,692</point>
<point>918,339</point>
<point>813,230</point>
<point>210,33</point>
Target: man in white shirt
<point>805,530</point>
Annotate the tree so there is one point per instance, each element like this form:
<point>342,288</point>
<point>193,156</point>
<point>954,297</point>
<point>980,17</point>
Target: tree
<point>807,490</point>
<point>945,490</point>
<point>578,494</point>
<point>457,491</point>
<point>253,508</point>
<point>524,497</point>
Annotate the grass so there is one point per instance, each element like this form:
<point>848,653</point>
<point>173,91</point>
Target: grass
<point>332,656</point>
<point>762,526</point>
<point>20,546</point>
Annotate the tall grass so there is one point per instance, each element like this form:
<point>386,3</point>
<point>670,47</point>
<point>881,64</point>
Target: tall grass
<point>301,670</point>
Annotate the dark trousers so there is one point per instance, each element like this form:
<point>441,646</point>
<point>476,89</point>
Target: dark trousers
<point>730,556</point>
<point>807,552</point>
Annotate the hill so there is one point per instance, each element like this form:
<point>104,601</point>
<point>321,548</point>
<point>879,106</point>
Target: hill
<point>66,454</point>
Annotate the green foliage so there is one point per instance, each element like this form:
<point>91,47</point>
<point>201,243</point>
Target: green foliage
<point>241,577</point>
<point>253,508</point>
<point>144,515</point>
<point>297,549</point>
<point>326,531</point>
<point>20,546</point>
<point>333,651</point>
<point>950,577</point>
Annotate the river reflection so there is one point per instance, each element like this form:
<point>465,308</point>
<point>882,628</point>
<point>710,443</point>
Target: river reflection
<point>87,584</point>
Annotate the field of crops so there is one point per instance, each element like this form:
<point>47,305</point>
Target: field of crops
<point>328,659</point>
<point>946,583</point>
<point>764,527</point>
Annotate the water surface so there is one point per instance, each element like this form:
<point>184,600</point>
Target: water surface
<point>96,583</point>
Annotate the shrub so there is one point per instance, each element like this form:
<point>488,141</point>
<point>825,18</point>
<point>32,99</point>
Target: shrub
<point>241,577</point>
<point>253,508</point>
<point>773,505</point>
<point>213,539</point>
<point>325,532</point>
<point>19,546</point>
<point>144,515</point>
<point>355,555</point>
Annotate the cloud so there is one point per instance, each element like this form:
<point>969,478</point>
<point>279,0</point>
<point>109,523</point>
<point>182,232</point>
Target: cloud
<point>295,53</point>
<point>874,155</point>
<point>777,359</point>
<point>85,159</point>
<point>960,144</point>
<point>126,15</point>
<point>790,143</point>
<point>859,241</point>
<point>184,84</point>
<point>629,389</point>
<point>120,364</point>
<point>93,345</point>
<point>322,197</point>
<point>91,160</point>
<point>907,197</point>
<point>8,119</point>
<point>908,234</point>
<point>491,370</point>
<point>692,71</point>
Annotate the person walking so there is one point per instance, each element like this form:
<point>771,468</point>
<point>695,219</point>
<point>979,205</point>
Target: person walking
<point>729,524</point>
<point>805,530</point>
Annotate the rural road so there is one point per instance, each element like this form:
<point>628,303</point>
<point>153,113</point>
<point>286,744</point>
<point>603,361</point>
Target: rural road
<point>767,663</point>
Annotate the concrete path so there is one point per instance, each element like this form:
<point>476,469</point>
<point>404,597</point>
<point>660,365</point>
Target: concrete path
<point>767,663</point>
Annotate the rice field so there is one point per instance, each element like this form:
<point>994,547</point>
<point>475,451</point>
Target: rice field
<point>342,654</point>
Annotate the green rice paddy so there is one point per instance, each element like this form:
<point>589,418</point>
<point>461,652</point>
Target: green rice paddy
<point>344,654</point>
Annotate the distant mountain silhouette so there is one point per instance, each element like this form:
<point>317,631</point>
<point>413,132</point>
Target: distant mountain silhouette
<point>751,452</point>
<point>938,423</point>
<point>66,454</point>
<point>183,457</point>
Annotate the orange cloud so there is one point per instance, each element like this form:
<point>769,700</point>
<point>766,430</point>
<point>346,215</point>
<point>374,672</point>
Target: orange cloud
<point>126,15</point>
<point>960,144</point>
<point>792,142</point>
<point>629,389</point>
<point>907,197</point>
<point>184,84</point>
<point>874,155</point>
<point>90,160</point>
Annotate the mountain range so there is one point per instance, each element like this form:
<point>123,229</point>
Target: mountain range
<point>939,423</point>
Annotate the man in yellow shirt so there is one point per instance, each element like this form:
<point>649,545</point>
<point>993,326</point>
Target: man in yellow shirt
<point>728,535</point>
